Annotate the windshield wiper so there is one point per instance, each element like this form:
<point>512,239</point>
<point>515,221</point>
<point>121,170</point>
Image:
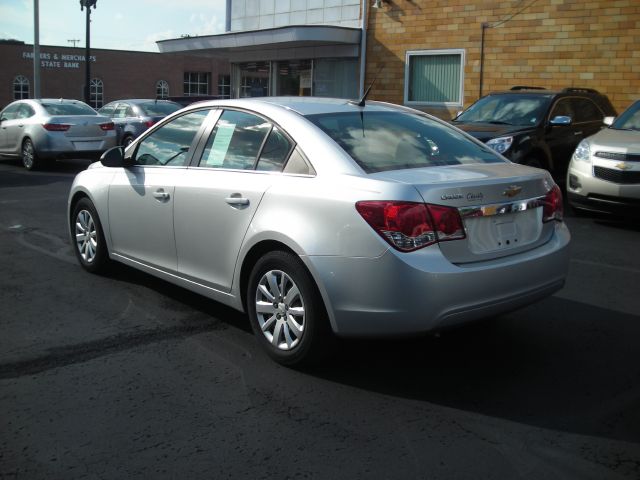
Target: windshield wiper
<point>498,122</point>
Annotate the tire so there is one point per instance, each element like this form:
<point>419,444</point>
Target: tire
<point>292,324</point>
<point>126,141</point>
<point>28,155</point>
<point>88,237</point>
<point>534,161</point>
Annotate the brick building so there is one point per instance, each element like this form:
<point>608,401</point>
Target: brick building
<point>115,74</point>
<point>428,53</point>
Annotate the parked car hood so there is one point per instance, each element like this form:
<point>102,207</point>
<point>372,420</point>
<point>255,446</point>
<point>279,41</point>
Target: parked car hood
<point>487,131</point>
<point>622,141</point>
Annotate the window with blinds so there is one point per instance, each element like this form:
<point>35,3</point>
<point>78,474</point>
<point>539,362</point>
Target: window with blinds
<point>434,77</point>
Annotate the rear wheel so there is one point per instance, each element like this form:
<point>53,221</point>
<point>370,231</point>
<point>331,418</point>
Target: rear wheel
<point>285,309</point>
<point>126,141</point>
<point>88,237</point>
<point>29,156</point>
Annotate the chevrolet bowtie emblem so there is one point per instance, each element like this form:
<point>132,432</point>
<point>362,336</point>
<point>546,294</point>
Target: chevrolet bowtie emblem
<point>512,191</point>
<point>624,166</point>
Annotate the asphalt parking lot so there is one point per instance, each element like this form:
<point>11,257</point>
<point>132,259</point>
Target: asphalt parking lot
<point>126,376</point>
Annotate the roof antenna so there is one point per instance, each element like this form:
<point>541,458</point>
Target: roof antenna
<point>361,102</point>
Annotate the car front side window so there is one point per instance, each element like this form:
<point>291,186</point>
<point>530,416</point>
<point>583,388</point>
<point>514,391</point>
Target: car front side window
<point>170,144</point>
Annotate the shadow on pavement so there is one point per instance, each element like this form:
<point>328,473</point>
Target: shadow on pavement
<point>558,364</point>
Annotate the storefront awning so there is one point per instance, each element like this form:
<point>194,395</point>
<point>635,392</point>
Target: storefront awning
<point>324,40</point>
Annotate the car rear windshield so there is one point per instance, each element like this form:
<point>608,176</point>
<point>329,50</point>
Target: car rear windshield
<point>68,109</point>
<point>507,109</point>
<point>159,108</point>
<point>380,141</point>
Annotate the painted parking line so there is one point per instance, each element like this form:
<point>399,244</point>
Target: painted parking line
<point>606,265</point>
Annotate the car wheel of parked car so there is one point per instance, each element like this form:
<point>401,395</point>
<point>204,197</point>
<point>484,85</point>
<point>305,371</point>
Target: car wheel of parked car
<point>29,156</point>
<point>89,244</point>
<point>128,140</point>
<point>534,161</point>
<point>286,311</point>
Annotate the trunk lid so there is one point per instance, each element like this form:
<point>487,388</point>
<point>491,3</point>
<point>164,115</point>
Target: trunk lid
<point>500,205</point>
<point>83,127</point>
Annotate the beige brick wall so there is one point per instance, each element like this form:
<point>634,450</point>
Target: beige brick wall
<point>551,43</point>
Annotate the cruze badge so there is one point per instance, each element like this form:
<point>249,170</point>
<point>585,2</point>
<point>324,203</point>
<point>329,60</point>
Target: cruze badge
<point>451,196</point>
<point>624,166</point>
<point>512,191</point>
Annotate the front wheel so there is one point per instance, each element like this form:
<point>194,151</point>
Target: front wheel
<point>29,156</point>
<point>88,238</point>
<point>286,312</point>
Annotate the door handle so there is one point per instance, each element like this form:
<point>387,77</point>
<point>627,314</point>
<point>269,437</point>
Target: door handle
<point>578,133</point>
<point>160,194</point>
<point>237,200</point>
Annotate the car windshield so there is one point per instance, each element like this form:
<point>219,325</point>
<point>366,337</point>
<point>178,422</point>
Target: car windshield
<point>68,109</point>
<point>629,120</point>
<point>159,108</point>
<point>380,141</point>
<point>507,109</point>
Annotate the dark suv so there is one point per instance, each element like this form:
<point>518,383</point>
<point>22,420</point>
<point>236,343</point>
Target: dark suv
<point>534,126</point>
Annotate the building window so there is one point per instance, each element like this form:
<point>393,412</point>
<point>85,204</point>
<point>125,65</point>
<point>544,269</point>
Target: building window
<point>20,87</point>
<point>162,89</point>
<point>196,83</point>
<point>96,93</point>
<point>224,86</point>
<point>434,77</point>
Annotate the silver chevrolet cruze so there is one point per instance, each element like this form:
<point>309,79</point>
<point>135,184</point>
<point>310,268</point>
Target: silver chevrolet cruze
<point>324,216</point>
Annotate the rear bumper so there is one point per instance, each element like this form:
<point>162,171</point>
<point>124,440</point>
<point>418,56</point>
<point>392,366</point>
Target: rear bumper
<point>74,148</point>
<point>399,294</point>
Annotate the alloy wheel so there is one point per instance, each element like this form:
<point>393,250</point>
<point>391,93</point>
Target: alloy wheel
<point>280,309</point>
<point>28,154</point>
<point>86,236</point>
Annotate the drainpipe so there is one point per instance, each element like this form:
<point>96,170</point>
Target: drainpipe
<point>363,47</point>
<point>484,26</point>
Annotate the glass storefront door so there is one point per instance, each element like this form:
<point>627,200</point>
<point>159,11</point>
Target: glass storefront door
<point>332,77</point>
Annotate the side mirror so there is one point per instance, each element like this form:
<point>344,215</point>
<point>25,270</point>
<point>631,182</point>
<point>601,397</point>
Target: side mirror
<point>561,120</point>
<point>608,121</point>
<point>114,157</point>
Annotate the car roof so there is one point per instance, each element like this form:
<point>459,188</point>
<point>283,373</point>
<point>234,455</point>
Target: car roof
<point>305,105</point>
<point>523,90</point>
<point>56,100</point>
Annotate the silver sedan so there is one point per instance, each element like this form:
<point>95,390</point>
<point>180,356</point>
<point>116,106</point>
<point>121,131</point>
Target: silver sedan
<point>43,129</point>
<point>323,217</point>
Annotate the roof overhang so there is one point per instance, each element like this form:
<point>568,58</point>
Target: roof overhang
<point>283,38</point>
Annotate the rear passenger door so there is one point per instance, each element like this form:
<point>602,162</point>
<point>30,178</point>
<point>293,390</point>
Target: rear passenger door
<point>218,196</point>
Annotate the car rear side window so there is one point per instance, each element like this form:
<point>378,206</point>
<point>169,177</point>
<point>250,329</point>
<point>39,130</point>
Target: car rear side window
<point>169,145</point>
<point>235,141</point>
<point>159,108</point>
<point>275,152</point>
<point>586,111</point>
<point>380,141</point>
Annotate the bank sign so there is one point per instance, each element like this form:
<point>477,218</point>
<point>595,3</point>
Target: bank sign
<point>59,60</point>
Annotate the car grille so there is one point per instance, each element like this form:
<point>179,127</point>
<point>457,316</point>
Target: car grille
<point>625,157</point>
<point>616,176</point>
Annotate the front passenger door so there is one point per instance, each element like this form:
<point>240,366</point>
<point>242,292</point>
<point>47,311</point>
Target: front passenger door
<point>141,197</point>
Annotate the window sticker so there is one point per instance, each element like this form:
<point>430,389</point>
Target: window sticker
<point>221,141</point>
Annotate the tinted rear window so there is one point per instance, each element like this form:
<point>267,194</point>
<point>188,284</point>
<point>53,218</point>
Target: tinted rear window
<point>159,108</point>
<point>68,109</point>
<point>380,141</point>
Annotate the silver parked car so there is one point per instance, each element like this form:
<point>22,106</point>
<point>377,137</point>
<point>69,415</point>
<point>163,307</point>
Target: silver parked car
<point>38,130</point>
<point>132,117</point>
<point>320,216</point>
<point>604,173</point>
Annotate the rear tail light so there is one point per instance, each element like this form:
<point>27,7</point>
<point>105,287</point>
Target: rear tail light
<point>56,127</point>
<point>408,226</point>
<point>107,126</point>
<point>149,123</point>
<point>552,208</point>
